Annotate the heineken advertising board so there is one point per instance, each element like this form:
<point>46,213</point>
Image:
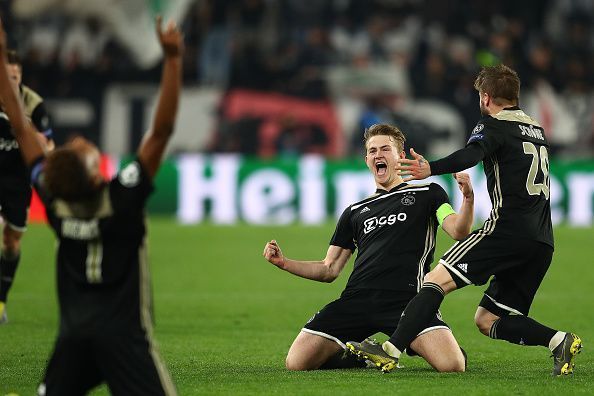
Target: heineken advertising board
<point>226,189</point>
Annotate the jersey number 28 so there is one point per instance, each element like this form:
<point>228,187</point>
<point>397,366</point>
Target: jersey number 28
<point>539,157</point>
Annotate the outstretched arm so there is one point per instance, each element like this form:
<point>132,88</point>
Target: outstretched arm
<point>24,132</point>
<point>419,168</point>
<point>459,225</point>
<point>153,145</point>
<point>325,270</point>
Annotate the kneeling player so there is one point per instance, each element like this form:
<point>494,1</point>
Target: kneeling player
<point>105,332</point>
<point>394,231</point>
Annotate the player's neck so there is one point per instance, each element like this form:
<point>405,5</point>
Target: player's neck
<point>390,184</point>
<point>495,109</point>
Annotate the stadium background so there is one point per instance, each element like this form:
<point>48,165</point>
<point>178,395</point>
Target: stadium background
<point>268,145</point>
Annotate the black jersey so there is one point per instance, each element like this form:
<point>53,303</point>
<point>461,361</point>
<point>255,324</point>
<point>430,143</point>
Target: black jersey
<point>516,164</point>
<point>394,233</point>
<point>102,273</point>
<point>11,162</point>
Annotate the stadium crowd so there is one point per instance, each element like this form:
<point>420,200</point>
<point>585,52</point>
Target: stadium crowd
<point>382,53</point>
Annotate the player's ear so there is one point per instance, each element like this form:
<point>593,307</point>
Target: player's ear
<point>402,154</point>
<point>486,99</point>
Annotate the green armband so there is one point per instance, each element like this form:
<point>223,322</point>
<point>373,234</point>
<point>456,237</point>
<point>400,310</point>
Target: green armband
<point>444,211</point>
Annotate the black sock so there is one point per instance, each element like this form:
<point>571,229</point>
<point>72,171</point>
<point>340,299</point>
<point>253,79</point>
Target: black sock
<point>522,330</point>
<point>343,360</point>
<point>8,266</point>
<point>417,314</point>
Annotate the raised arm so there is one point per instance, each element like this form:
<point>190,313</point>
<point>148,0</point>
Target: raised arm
<point>24,132</point>
<point>459,225</point>
<point>326,270</point>
<point>153,145</point>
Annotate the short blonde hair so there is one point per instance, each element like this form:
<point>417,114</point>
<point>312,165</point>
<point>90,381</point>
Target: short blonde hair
<point>385,130</point>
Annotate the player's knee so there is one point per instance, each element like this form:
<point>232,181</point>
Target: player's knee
<point>432,277</point>
<point>428,277</point>
<point>456,365</point>
<point>294,363</point>
<point>459,366</point>
<point>483,323</point>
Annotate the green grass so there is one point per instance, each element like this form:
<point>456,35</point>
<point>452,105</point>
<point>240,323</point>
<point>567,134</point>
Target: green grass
<point>226,318</point>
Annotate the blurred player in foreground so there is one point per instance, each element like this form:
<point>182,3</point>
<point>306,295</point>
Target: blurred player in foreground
<point>106,329</point>
<point>514,246</point>
<point>15,180</point>
<point>394,231</point>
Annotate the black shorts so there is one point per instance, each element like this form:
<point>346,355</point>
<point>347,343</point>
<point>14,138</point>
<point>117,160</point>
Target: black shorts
<point>358,314</point>
<point>15,198</point>
<point>517,267</point>
<point>129,364</point>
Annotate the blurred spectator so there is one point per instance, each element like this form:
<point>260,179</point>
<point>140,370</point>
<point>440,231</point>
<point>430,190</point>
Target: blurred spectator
<point>418,50</point>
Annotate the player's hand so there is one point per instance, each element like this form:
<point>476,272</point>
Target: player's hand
<point>464,184</point>
<point>274,254</point>
<point>414,169</point>
<point>171,39</point>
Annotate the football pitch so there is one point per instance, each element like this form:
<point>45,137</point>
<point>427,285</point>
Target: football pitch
<point>225,318</point>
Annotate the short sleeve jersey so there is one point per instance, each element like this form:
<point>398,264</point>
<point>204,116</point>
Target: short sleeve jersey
<point>11,162</point>
<point>394,233</point>
<point>516,164</point>
<point>101,259</point>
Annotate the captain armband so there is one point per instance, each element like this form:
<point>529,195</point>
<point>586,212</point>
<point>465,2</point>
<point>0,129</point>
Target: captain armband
<point>444,211</point>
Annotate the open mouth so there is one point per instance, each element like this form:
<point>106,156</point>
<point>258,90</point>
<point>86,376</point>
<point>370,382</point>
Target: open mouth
<point>381,168</point>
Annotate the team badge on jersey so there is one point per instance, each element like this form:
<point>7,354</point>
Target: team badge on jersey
<point>408,200</point>
<point>130,175</point>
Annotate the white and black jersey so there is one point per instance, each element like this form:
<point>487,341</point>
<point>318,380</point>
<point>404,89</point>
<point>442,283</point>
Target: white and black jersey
<point>516,162</point>
<point>105,332</point>
<point>12,167</point>
<point>394,232</point>
<point>101,259</point>
<point>15,181</point>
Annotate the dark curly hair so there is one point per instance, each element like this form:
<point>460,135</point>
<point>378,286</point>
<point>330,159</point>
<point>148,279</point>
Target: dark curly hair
<point>66,176</point>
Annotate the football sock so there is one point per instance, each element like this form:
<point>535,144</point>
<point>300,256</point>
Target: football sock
<point>8,266</point>
<point>343,360</point>
<point>522,330</point>
<point>557,340</point>
<point>415,317</point>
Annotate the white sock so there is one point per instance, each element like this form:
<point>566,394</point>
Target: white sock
<point>391,350</point>
<point>556,340</point>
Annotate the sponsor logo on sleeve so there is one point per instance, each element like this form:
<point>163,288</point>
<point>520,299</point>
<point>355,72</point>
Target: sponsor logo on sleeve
<point>476,133</point>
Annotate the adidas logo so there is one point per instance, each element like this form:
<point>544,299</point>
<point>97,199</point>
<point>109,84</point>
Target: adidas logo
<point>463,267</point>
<point>365,209</point>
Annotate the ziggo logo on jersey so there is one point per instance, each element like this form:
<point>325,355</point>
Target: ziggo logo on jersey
<point>373,222</point>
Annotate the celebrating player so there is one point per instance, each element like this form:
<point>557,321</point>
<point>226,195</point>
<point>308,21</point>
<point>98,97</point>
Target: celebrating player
<point>515,245</point>
<point>105,332</point>
<point>15,182</point>
<point>394,231</point>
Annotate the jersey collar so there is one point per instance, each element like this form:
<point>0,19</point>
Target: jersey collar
<point>396,188</point>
